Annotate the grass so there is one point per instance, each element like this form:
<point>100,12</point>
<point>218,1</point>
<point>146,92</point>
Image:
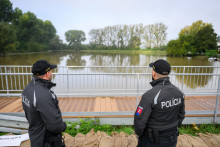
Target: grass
<point>203,128</point>
<point>84,126</point>
<point>2,133</point>
<point>141,51</point>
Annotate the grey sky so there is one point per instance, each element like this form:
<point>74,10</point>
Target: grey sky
<point>88,14</point>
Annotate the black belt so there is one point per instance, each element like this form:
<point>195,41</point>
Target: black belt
<point>160,136</point>
<point>166,139</point>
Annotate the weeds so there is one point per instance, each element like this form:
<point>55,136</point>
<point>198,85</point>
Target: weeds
<point>203,128</point>
<point>84,126</point>
<point>2,133</point>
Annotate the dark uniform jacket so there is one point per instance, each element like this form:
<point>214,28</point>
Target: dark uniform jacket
<point>41,109</point>
<point>161,108</point>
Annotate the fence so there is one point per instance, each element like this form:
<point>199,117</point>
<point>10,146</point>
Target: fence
<point>114,81</point>
<point>111,81</point>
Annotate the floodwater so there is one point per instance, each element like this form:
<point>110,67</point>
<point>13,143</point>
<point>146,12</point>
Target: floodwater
<point>81,84</point>
<point>72,58</point>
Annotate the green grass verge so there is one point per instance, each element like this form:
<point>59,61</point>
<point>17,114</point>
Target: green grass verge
<point>204,128</point>
<point>2,133</point>
<point>142,51</point>
<point>84,126</point>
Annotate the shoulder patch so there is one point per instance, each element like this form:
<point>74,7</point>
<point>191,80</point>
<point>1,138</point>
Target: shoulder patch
<point>139,110</point>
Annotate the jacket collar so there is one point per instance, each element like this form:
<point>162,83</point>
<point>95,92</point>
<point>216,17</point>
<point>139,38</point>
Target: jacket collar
<point>161,81</point>
<point>43,82</point>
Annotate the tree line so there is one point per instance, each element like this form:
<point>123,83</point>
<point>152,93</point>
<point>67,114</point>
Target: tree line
<point>129,36</point>
<point>194,39</point>
<point>22,32</point>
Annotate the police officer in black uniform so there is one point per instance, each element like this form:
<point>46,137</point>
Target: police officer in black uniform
<point>160,111</point>
<point>41,108</point>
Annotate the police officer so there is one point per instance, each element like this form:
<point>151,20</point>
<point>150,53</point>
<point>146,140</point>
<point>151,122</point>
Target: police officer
<point>41,108</point>
<point>160,111</point>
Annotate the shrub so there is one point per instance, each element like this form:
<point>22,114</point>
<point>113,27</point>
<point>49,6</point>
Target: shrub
<point>211,53</point>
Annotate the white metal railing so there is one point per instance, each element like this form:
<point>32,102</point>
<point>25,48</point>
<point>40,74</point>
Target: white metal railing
<point>113,81</point>
<point>108,80</point>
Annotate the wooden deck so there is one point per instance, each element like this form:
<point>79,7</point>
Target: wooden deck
<point>106,104</point>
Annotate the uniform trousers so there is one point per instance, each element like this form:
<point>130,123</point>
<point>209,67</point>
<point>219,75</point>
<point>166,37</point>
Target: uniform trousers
<point>168,142</point>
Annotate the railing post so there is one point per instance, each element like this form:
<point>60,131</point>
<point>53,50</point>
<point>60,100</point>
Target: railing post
<point>6,80</point>
<point>183,77</point>
<point>217,100</point>
<point>138,78</point>
<point>68,81</point>
<point>126,83</point>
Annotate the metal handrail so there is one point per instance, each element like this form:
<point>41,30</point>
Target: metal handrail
<point>16,79</point>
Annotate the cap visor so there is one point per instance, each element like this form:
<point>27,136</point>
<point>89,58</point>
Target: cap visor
<point>151,64</point>
<point>53,66</point>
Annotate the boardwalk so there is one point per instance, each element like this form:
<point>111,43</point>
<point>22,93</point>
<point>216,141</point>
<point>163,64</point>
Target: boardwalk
<point>107,104</point>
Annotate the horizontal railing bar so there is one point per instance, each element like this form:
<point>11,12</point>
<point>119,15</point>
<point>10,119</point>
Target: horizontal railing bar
<point>102,66</point>
<point>106,94</point>
<point>101,113</point>
<point>184,74</point>
<point>84,89</point>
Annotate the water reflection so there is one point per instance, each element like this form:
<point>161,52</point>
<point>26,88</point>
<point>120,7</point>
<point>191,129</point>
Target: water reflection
<point>30,58</point>
<point>72,58</point>
<point>189,61</point>
<point>194,81</point>
<point>75,60</point>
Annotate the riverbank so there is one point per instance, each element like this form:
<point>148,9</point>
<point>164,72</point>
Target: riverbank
<point>141,51</point>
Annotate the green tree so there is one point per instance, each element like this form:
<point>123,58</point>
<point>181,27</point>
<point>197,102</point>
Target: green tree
<point>7,38</point>
<point>206,39</point>
<point>56,43</point>
<point>49,31</point>
<point>75,37</point>
<point>218,38</point>
<point>27,27</point>
<point>193,39</point>
<point>6,11</point>
<point>160,34</point>
<point>149,36</point>
<point>16,15</point>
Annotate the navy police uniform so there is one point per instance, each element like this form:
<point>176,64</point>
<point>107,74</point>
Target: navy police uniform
<point>159,113</point>
<point>41,109</point>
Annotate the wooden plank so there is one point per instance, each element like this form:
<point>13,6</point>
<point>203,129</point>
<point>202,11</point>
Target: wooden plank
<point>77,104</point>
<point>103,104</point>
<point>79,108</point>
<point>113,104</point>
<point>97,104</point>
<point>84,104</point>
<point>6,102</point>
<point>18,106</point>
<point>106,104</point>
<point>92,105</point>
<point>61,103</point>
<point>11,106</point>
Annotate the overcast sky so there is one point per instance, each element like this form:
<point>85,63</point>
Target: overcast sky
<point>89,14</point>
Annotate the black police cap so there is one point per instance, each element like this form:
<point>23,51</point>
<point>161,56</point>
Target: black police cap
<point>41,67</point>
<point>161,66</point>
